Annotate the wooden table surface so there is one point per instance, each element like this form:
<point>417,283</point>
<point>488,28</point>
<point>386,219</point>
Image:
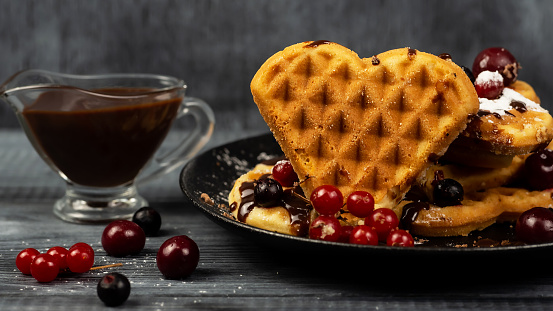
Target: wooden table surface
<point>233,273</point>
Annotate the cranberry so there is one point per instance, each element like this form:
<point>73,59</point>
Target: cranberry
<point>148,219</point>
<point>535,226</point>
<point>383,220</point>
<point>448,192</point>
<point>364,235</point>
<point>24,259</point>
<point>80,258</point>
<point>178,257</point>
<point>327,200</point>
<point>44,268</point>
<point>122,237</point>
<point>360,203</point>
<point>539,169</point>
<point>284,173</point>
<point>113,289</point>
<point>497,59</point>
<point>489,85</point>
<point>60,253</point>
<point>267,192</point>
<point>326,228</point>
<point>399,237</point>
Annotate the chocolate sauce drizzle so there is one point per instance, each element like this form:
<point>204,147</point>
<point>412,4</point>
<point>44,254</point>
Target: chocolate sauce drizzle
<point>298,209</point>
<point>315,44</point>
<point>410,213</point>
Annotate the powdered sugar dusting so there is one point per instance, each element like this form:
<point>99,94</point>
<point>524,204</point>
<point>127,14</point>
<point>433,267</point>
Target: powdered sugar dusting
<point>488,77</point>
<point>503,103</point>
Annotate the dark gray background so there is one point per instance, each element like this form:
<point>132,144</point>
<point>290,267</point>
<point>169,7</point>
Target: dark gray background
<point>217,45</point>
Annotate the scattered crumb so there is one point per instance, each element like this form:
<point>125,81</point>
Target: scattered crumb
<point>205,197</point>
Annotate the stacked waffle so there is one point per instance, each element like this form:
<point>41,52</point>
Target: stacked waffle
<point>380,124</point>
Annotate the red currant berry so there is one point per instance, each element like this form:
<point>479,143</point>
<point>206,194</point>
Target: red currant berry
<point>24,259</point>
<point>326,228</point>
<point>346,233</point>
<point>535,226</point>
<point>399,237</point>
<point>283,172</point>
<point>178,257</point>
<point>489,85</point>
<point>85,246</point>
<point>327,200</point>
<point>383,220</point>
<point>539,169</point>
<point>80,258</point>
<point>497,59</point>
<point>360,203</point>
<point>60,253</point>
<point>122,237</point>
<point>45,268</point>
<point>364,235</point>
<point>113,289</point>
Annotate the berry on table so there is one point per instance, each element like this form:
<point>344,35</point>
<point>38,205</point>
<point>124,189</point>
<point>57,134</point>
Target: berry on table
<point>364,235</point>
<point>24,259</point>
<point>60,253</point>
<point>44,268</point>
<point>80,258</point>
<point>284,173</point>
<point>148,219</point>
<point>327,200</point>
<point>360,203</point>
<point>383,220</point>
<point>326,228</point>
<point>178,257</point>
<point>123,237</point>
<point>113,289</point>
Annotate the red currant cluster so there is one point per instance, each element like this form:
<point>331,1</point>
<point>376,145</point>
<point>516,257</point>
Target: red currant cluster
<point>494,69</point>
<point>45,267</point>
<point>380,225</point>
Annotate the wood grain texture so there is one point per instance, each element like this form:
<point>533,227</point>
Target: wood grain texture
<point>233,273</point>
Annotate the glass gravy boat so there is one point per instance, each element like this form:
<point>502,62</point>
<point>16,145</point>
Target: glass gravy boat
<point>101,134</point>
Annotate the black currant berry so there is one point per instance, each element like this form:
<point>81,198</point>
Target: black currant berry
<point>535,226</point>
<point>267,192</point>
<point>539,169</point>
<point>148,219</point>
<point>114,289</point>
<point>468,72</point>
<point>448,192</point>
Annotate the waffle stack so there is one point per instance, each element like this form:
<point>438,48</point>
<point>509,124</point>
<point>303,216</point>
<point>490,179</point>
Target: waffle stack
<point>373,124</point>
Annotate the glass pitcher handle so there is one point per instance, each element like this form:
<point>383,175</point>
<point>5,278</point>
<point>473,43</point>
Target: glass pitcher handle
<point>189,146</point>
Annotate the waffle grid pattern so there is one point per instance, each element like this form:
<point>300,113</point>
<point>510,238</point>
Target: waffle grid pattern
<point>344,121</point>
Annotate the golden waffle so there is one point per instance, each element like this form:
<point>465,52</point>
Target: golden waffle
<point>491,140</point>
<point>473,178</point>
<point>372,124</point>
<point>478,211</point>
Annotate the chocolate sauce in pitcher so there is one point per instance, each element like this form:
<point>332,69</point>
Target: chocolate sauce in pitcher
<point>99,141</point>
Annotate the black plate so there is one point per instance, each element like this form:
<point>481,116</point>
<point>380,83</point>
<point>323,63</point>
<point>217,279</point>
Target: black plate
<point>215,171</point>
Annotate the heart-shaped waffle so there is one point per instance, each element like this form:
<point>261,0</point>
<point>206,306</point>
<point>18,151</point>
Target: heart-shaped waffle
<point>372,124</point>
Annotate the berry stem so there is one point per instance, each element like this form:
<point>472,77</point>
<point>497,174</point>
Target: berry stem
<point>107,266</point>
<point>299,196</point>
